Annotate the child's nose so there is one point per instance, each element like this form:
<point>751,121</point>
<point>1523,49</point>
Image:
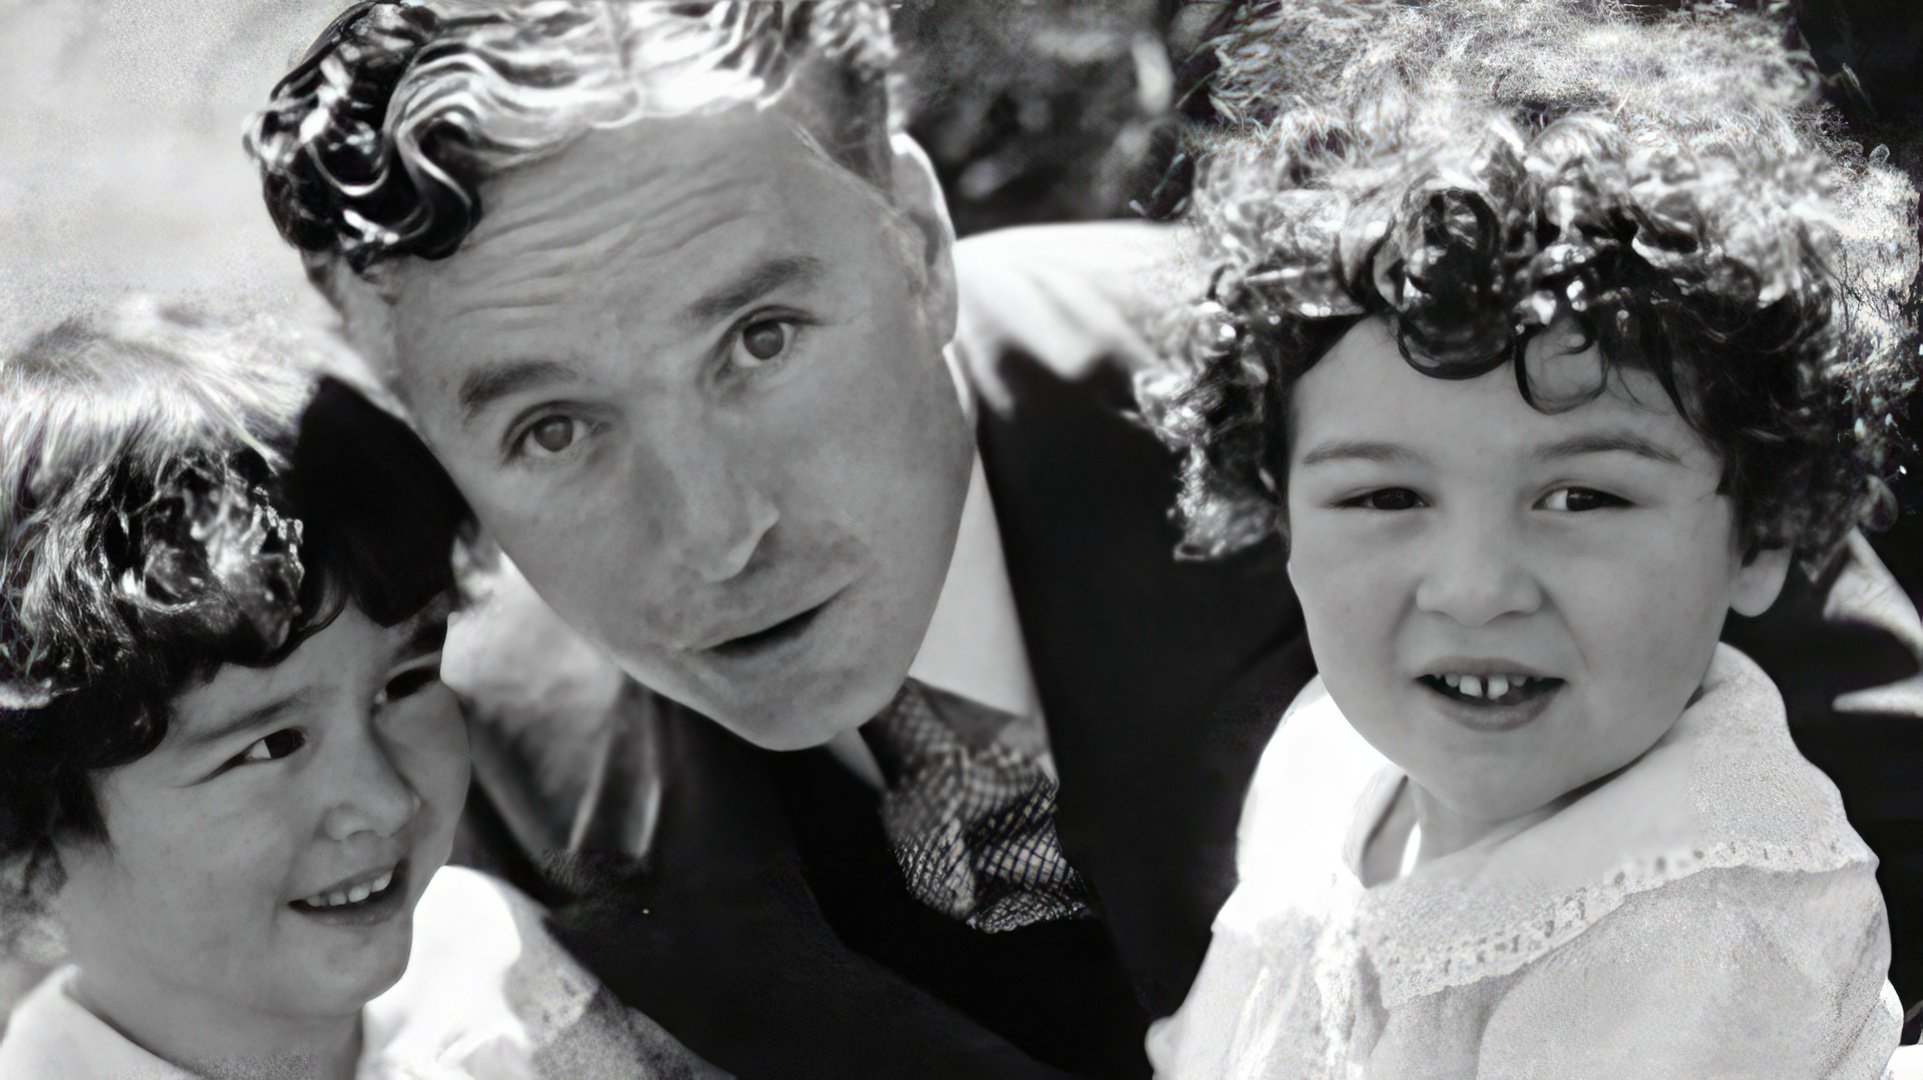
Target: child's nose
<point>1475,574</point>
<point>367,793</point>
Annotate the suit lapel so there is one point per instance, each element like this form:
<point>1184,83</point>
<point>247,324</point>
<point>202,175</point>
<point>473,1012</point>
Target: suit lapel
<point>1160,680</point>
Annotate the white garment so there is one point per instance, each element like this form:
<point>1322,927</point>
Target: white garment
<point>1707,912</point>
<point>487,995</point>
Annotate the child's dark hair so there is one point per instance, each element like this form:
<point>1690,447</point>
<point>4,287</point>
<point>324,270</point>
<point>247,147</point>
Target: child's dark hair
<point>1481,170</point>
<point>177,493</point>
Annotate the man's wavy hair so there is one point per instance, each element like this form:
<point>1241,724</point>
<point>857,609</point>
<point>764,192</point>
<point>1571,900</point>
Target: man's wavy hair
<point>1482,169</point>
<point>379,144</point>
<point>179,491</point>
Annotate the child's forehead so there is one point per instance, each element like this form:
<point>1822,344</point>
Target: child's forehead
<point>345,654</point>
<point>1366,387</point>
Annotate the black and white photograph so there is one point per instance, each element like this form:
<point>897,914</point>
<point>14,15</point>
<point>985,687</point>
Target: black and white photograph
<point>961,539</point>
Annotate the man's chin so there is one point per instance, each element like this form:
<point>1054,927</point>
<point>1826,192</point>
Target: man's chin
<point>785,721</point>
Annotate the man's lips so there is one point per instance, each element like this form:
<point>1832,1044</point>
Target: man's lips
<point>771,635</point>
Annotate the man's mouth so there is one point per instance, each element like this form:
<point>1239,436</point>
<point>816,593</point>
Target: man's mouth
<point>772,637</point>
<point>361,900</point>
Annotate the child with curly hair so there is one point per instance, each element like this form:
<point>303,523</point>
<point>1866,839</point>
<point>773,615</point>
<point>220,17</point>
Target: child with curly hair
<point>1547,340</point>
<point>229,771</point>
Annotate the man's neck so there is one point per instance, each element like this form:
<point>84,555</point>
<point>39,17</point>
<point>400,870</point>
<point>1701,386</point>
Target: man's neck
<point>974,644</point>
<point>212,1039</point>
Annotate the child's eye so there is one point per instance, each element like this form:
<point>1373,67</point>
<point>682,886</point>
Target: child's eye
<point>1387,499</point>
<point>408,682</point>
<point>1580,499</point>
<point>273,747</point>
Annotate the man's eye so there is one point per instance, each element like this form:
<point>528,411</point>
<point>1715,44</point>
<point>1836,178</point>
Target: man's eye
<point>1579,499</point>
<point>549,437</point>
<point>762,342</point>
<point>553,435</point>
<point>273,747</point>
<point>1387,499</point>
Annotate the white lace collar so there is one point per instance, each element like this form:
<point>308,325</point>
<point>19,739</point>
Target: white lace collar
<point>483,990</point>
<point>1724,788</point>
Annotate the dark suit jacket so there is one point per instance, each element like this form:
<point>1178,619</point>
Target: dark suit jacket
<point>763,923</point>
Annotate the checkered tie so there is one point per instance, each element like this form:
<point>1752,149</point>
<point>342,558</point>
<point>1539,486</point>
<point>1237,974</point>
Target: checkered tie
<point>971,817</point>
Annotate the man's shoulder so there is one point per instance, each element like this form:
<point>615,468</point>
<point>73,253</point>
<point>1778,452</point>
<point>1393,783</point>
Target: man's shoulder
<point>1073,300</point>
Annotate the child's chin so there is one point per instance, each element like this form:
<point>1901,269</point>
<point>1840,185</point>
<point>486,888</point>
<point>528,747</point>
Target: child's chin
<point>1492,802</point>
<point>342,983</point>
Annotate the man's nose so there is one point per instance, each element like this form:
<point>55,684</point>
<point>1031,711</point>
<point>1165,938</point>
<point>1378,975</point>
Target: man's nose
<point>711,519</point>
<point>367,792</point>
<point>1476,572</point>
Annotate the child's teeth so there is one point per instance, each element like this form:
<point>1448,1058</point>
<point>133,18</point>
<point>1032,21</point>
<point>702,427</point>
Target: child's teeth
<point>358,893</point>
<point>1472,686</point>
<point>1498,686</point>
<point>1454,681</point>
<point>337,898</point>
<point>381,883</point>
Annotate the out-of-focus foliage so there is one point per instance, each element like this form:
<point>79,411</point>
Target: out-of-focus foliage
<point>1036,110</point>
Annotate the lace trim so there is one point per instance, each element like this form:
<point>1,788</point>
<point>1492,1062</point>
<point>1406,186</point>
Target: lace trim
<point>1407,974</point>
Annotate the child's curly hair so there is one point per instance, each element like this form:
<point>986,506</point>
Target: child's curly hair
<point>180,490</point>
<point>1482,169</point>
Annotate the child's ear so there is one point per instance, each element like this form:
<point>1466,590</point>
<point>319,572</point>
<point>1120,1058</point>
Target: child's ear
<point>1760,581</point>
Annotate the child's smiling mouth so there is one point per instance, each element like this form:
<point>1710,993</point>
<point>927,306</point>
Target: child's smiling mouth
<point>1490,697</point>
<point>1512,689</point>
<point>363,904</point>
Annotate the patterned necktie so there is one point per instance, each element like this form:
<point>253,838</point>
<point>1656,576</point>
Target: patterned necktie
<point>971,818</point>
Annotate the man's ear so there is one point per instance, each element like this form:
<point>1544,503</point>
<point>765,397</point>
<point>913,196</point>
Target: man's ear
<point>1760,581</point>
<point>917,196</point>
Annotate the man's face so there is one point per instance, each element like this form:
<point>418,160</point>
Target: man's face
<point>266,858</point>
<point>689,374</point>
<point>1508,603</point>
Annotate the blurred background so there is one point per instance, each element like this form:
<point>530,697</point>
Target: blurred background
<point>121,167</point>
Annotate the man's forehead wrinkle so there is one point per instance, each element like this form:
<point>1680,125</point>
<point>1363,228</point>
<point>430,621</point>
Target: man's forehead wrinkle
<point>649,173</point>
<point>484,385</point>
<point>539,267</point>
<point>614,224</point>
<point>761,278</point>
<point>527,295</point>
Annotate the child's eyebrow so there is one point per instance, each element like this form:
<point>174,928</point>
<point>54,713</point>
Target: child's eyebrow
<point>1362,450</point>
<point>1606,442</point>
<point>427,635</point>
<point>194,741</point>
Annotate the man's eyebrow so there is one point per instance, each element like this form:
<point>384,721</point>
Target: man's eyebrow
<point>757,282</point>
<point>192,742</point>
<point>484,386</point>
<point>1361,450</point>
<point>1606,442</point>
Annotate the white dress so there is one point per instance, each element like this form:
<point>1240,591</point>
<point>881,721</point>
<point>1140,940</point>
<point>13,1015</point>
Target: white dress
<point>1706,913</point>
<point>487,995</point>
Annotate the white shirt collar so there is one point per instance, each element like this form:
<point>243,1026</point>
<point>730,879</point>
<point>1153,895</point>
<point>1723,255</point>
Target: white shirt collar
<point>52,1035</point>
<point>973,642</point>
<point>973,646</point>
